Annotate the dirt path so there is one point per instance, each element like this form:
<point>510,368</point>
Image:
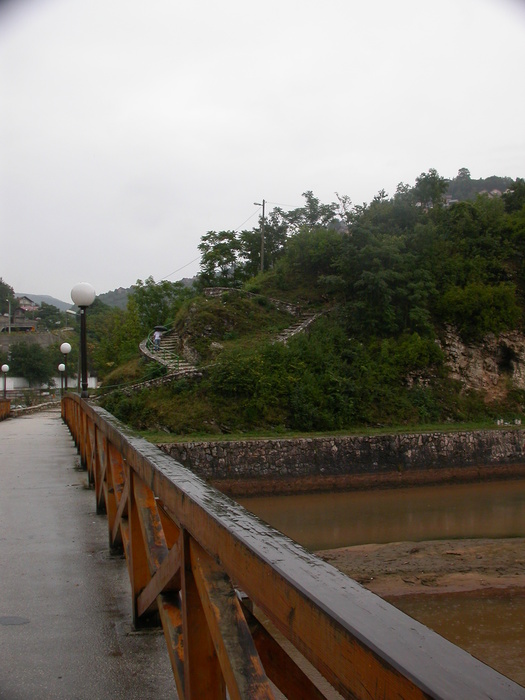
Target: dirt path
<point>444,566</point>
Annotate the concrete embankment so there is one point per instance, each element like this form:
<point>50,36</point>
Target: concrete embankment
<point>328,463</point>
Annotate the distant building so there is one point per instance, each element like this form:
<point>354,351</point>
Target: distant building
<point>449,200</point>
<point>492,194</point>
<point>26,304</point>
<point>19,320</point>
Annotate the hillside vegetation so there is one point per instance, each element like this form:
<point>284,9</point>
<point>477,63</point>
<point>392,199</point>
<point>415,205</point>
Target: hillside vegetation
<point>389,277</point>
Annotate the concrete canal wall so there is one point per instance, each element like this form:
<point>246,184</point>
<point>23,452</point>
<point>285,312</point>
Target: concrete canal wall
<point>298,464</point>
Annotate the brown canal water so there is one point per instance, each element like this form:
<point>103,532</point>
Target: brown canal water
<point>490,628</point>
<point>330,520</point>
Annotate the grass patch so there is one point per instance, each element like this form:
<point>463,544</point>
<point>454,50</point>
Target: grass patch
<point>231,320</point>
<point>360,431</point>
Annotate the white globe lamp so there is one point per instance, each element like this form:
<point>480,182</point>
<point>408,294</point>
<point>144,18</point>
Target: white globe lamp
<point>83,295</point>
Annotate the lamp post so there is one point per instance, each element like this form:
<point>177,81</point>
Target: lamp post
<point>83,295</point>
<point>65,349</point>
<point>262,232</point>
<point>9,319</point>
<point>62,369</point>
<point>5,370</point>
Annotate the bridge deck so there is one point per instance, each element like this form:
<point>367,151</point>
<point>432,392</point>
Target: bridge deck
<point>65,624</point>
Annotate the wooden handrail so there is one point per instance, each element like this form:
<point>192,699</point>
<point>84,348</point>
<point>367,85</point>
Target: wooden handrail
<point>198,562</point>
<point>5,408</point>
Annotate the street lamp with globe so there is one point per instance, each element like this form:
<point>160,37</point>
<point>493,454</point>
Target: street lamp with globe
<point>65,349</point>
<point>62,369</point>
<point>5,370</point>
<point>83,295</point>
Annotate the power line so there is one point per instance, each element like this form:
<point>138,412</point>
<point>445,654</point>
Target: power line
<point>250,217</point>
<point>236,229</point>
<point>195,259</point>
<point>291,206</point>
<point>181,268</point>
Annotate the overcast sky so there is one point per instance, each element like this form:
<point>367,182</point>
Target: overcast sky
<point>130,129</point>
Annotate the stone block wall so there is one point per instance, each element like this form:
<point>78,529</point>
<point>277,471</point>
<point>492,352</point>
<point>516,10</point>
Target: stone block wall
<point>352,456</point>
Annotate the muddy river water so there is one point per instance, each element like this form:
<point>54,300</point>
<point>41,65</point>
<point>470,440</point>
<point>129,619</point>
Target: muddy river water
<point>491,628</point>
<point>330,520</point>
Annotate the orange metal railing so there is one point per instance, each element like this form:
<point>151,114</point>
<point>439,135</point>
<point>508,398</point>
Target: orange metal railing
<point>224,585</point>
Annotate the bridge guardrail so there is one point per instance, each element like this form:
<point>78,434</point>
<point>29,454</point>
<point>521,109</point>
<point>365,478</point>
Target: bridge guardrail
<point>5,408</point>
<point>207,569</point>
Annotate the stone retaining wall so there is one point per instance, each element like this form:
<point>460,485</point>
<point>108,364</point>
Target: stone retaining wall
<point>28,410</point>
<point>347,461</point>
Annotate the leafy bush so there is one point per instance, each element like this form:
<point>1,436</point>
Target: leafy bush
<point>325,381</point>
<point>478,309</point>
<point>33,362</point>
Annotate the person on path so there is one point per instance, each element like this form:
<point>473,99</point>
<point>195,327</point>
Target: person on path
<point>156,340</point>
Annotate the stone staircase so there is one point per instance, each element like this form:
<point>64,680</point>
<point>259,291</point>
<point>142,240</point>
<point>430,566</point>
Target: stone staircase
<point>299,326</point>
<point>170,343</point>
<point>178,368</point>
<point>168,354</point>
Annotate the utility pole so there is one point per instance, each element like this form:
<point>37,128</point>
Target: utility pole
<point>262,232</point>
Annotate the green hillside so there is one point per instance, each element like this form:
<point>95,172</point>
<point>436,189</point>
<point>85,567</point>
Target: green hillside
<point>390,277</point>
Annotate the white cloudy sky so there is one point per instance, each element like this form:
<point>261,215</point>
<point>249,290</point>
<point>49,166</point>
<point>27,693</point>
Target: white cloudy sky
<point>130,129</point>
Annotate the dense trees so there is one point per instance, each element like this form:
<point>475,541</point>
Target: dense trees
<point>34,363</point>
<point>220,252</point>
<point>7,294</point>
<point>514,197</point>
<point>49,317</point>
<point>155,303</point>
<point>479,308</point>
<point>407,263</point>
<point>430,189</point>
<point>229,258</point>
<point>465,187</point>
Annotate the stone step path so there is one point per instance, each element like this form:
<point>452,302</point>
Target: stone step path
<point>168,354</point>
<point>300,326</point>
<point>170,343</point>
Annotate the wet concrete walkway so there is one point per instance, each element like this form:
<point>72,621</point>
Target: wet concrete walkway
<point>65,609</point>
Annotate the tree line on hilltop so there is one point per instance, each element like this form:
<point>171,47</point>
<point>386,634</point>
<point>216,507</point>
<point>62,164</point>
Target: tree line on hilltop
<point>399,264</point>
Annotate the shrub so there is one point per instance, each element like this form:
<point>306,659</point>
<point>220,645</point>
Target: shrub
<point>478,309</point>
